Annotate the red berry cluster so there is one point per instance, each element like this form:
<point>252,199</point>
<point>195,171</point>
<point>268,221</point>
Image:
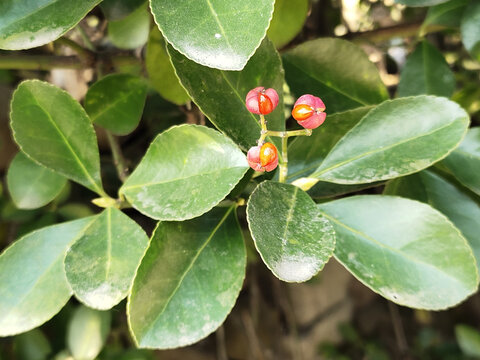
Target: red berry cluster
<point>308,110</point>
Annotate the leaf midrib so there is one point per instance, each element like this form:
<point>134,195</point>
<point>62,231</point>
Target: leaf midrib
<point>62,136</point>
<point>109,106</point>
<point>374,151</point>
<point>220,26</point>
<point>109,244</point>
<point>188,268</point>
<point>49,267</point>
<point>329,86</point>
<point>126,188</point>
<point>289,215</point>
<point>389,248</point>
<point>235,91</point>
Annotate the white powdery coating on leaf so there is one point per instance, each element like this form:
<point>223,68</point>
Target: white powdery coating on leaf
<point>296,268</point>
<point>105,296</point>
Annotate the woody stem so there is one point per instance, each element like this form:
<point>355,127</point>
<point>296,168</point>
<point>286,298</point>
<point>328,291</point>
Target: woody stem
<point>284,163</point>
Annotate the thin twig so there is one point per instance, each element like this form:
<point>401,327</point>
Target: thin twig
<point>85,54</point>
<point>221,347</point>
<point>252,336</point>
<point>283,299</point>
<point>400,30</point>
<point>41,62</point>
<point>284,163</point>
<point>118,159</point>
<point>398,329</point>
<point>86,40</point>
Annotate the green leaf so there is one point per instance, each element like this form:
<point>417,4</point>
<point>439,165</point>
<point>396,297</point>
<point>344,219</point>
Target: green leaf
<point>464,161</point>
<point>116,102</point>
<point>132,31</point>
<point>390,141</point>
<point>336,70</point>
<point>219,34</point>
<point>447,14</point>
<point>188,280</point>
<point>323,189</point>
<point>30,23</point>
<point>305,154</point>
<point>426,72</point>
<point>293,238</point>
<point>468,339</point>
<point>31,185</point>
<point>32,345</point>
<point>101,265</point>
<point>32,280</point>
<point>119,9</point>
<point>54,130</point>
<point>448,197</point>
<point>470,29</point>
<point>161,71</point>
<point>224,102</point>
<point>420,3</point>
<point>403,249</point>
<point>87,332</point>
<point>174,179</point>
<point>72,211</point>
<point>288,19</point>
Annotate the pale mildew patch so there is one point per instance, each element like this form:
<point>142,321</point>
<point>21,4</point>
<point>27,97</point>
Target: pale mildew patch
<point>105,294</point>
<point>296,268</point>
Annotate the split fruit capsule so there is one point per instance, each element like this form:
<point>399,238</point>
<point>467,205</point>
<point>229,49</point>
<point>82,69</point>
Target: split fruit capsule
<point>309,111</point>
<point>261,101</point>
<point>263,158</point>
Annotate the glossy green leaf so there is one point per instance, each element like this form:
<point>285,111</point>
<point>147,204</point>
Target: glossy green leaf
<point>426,72</point>
<point>87,332</point>
<point>132,31</point>
<point>224,102</point>
<point>101,265</point>
<point>305,154</point>
<point>447,14</point>
<point>116,102</point>
<point>31,185</point>
<point>464,162</point>
<point>174,180</point>
<point>470,28</point>
<point>420,3</point>
<point>54,130</point>
<point>161,72</point>
<point>293,238</point>
<point>390,141</point>
<point>30,23</point>
<point>221,34</point>
<point>448,197</point>
<point>188,280</point>
<point>468,339</point>
<point>288,19</point>
<point>324,190</point>
<point>32,279</point>
<point>337,71</point>
<point>119,9</point>
<point>403,249</point>
<point>32,345</point>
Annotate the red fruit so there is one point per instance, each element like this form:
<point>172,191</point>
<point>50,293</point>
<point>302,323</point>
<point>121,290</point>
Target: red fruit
<point>263,158</point>
<point>308,111</point>
<point>261,101</point>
